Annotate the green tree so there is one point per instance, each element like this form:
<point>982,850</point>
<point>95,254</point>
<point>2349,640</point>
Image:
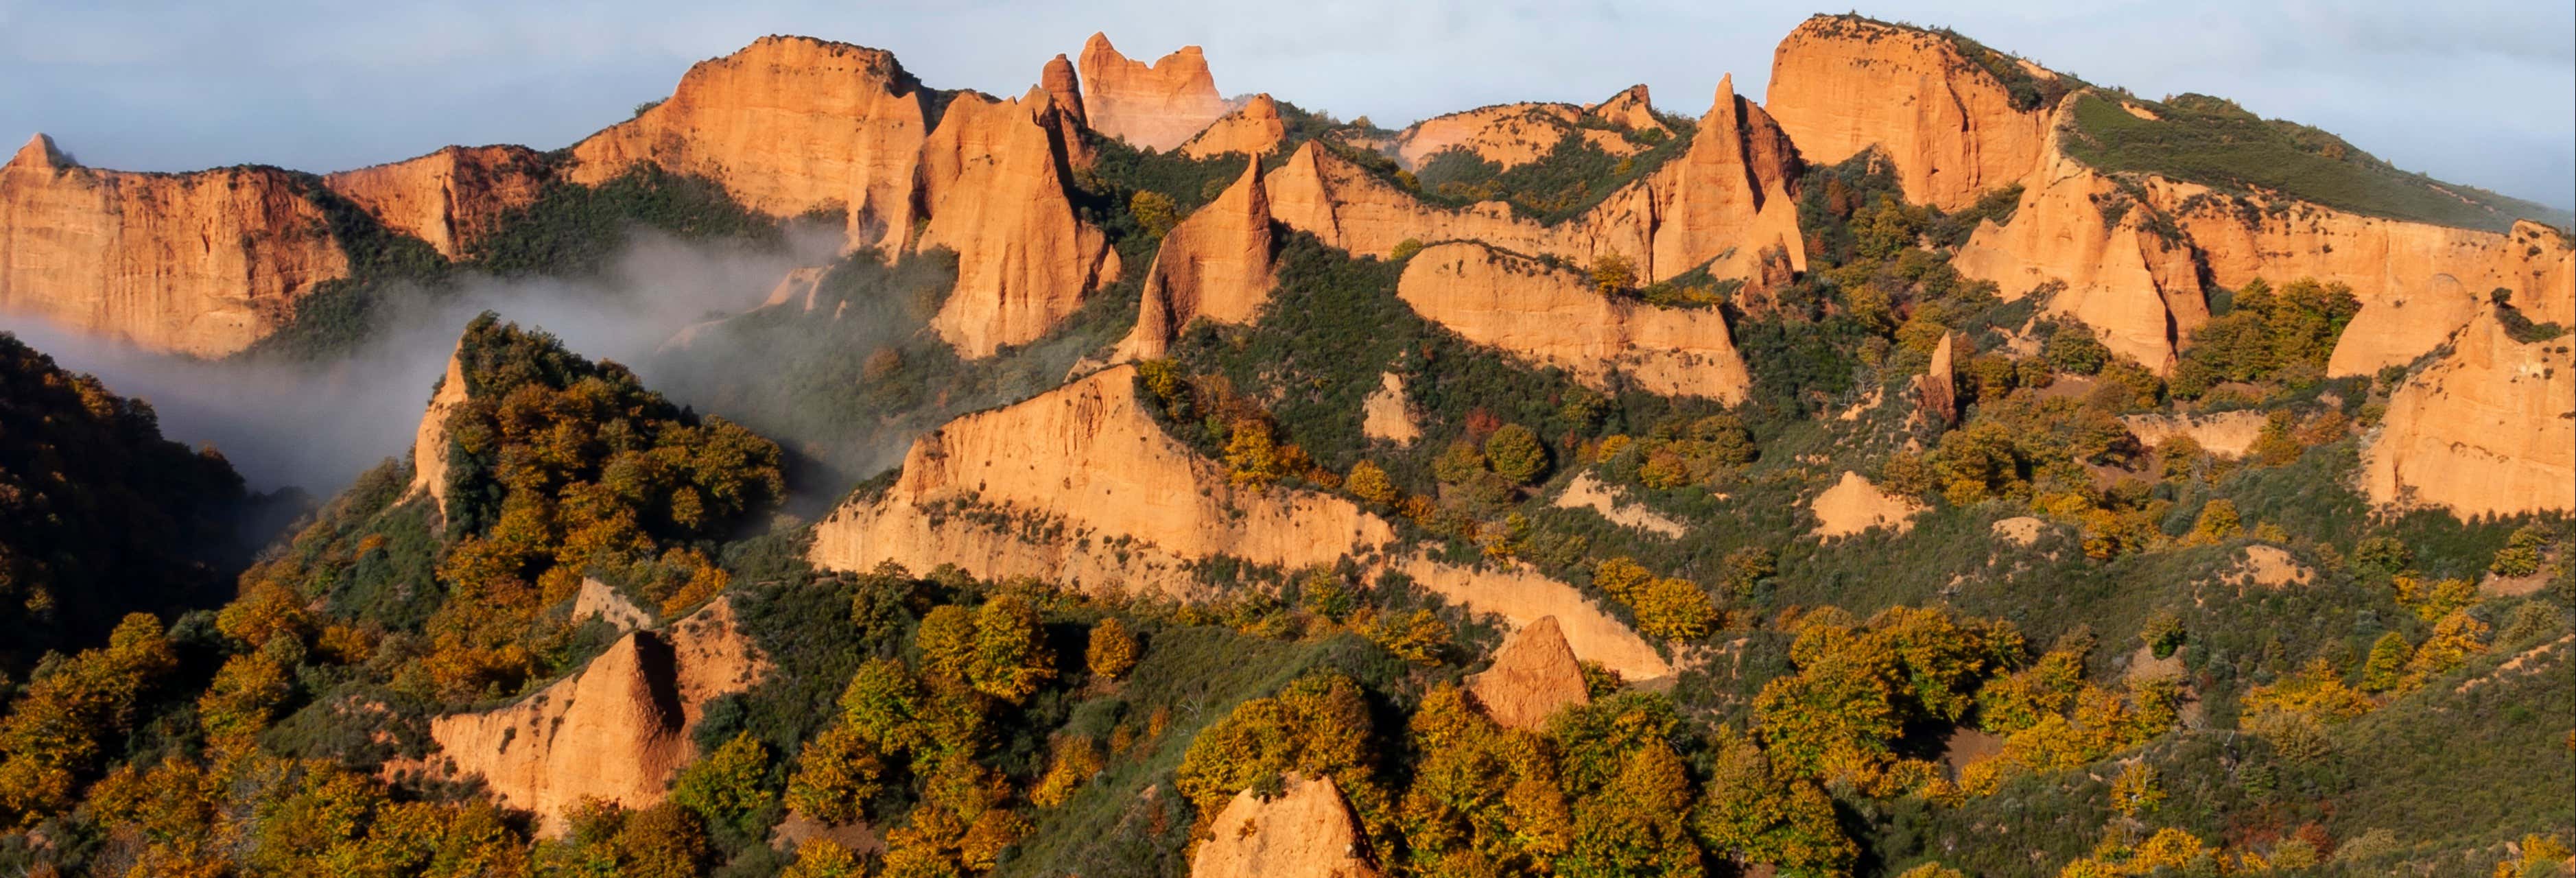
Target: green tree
<point>1155,212</point>
<point>1516,454</point>
<point>2386,666</point>
<point>728,787</point>
<point>1011,658</point>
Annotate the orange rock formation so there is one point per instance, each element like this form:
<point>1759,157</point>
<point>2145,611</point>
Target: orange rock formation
<point>1841,85</point>
<point>1155,106</point>
<point>787,125</point>
<point>1534,674</point>
<point>1081,486</point>
<point>1516,134</point>
<point>1555,317</point>
<point>1386,414</point>
<point>1936,391</point>
<point>1854,505</point>
<point>202,263</point>
<point>618,730</point>
<point>1215,265</point>
<point>1254,130</point>
<point>2488,429</point>
<point>429,443</point>
<point>992,179</point>
<point>451,198</point>
<point>1306,832</point>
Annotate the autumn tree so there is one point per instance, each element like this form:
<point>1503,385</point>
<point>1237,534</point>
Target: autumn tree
<point>1112,651</point>
<point>1367,482</point>
<point>1516,454</point>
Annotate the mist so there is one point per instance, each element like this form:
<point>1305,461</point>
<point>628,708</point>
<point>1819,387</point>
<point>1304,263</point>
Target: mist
<point>316,425</point>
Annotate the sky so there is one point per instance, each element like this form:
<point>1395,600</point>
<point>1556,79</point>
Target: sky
<point>2472,91</point>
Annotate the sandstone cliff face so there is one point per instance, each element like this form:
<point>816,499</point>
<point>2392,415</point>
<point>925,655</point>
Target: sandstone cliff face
<point>993,182</point>
<point>1080,486</point>
<point>1840,86</point>
<point>1534,675</point>
<point>429,443</point>
<point>1725,200</point>
<point>200,263</point>
<point>1936,391</point>
<point>1307,832</point>
<point>2228,434</point>
<point>618,730</point>
<point>2139,292</point>
<point>1216,265</point>
<point>1555,317</point>
<point>1388,414</point>
<point>787,125</point>
<point>1854,505</point>
<point>2488,429</point>
<point>1156,106</point>
<point>451,198</point>
<point>1254,130</point>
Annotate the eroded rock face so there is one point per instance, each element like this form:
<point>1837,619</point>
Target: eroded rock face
<point>993,182</point>
<point>2228,434</point>
<point>618,730</point>
<point>1080,486</point>
<point>2488,429</point>
<point>1841,85</point>
<point>1854,505</point>
<point>1216,265</point>
<point>1151,106</point>
<point>2137,290</point>
<point>200,263</point>
<point>1555,317</point>
<point>429,443</point>
<point>1936,391</point>
<point>452,198</point>
<point>787,125</point>
<point>1534,675</point>
<point>1387,414</point>
<point>1724,201</point>
<point>1254,130</point>
<point>1307,832</point>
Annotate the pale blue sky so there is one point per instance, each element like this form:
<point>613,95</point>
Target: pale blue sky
<point>2475,91</point>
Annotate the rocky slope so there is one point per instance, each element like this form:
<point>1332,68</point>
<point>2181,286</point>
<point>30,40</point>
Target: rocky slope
<point>2487,429</point>
<point>1080,486</point>
<point>1254,130</point>
<point>1724,200</point>
<point>1841,85</point>
<point>202,263</point>
<point>1516,134</point>
<point>617,730</point>
<point>429,472</point>
<point>1307,831</point>
<point>1555,317</point>
<point>1216,265</point>
<point>1151,106</point>
<point>452,198</point>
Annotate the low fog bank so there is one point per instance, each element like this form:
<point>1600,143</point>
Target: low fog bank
<point>317,425</point>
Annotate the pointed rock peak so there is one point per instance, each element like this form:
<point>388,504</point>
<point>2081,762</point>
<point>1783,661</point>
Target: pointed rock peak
<point>1533,676</point>
<point>1151,106</point>
<point>1099,42</point>
<point>1065,86</point>
<point>38,153</point>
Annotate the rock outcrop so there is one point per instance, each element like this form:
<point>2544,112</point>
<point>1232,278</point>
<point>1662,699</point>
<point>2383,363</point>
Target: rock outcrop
<point>1843,84</point>
<point>1724,204</point>
<point>1555,317</point>
<point>1254,130</point>
<point>599,600</point>
<point>1510,135</point>
<point>1854,505</point>
<point>453,198</point>
<point>618,730</point>
<point>1065,88</point>
<point>2138,290</point>
<point>201,263</point>
<point>787,125</point>
<point>993,182</point>
<point>2487,429</point>
<point>2228,434</point>
<point>429,443</point>
<point>1157,106</point>
<point>1081,486</point>
<point>1936,391</point>
<point>1586,491</point>
<point>1306,832</point>
<point>1216,265</point>
<point>1387,414</point>
<point>1534,674</point>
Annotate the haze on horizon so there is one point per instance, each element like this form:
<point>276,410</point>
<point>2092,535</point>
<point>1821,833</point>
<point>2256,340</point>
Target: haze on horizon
<point>2474,92</point>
